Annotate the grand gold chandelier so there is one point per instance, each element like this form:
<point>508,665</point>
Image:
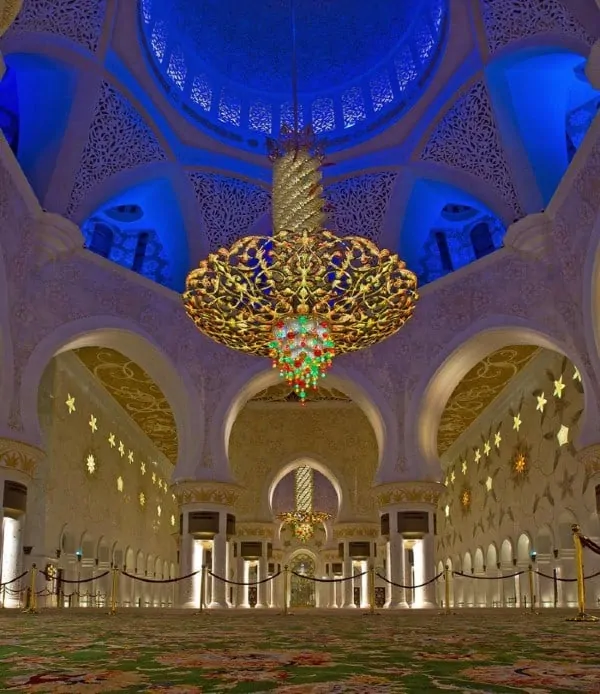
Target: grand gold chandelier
<point>304,295</point>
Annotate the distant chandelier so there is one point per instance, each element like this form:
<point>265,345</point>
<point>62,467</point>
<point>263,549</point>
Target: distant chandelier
<point>303,523</point>
<point>303,295</point>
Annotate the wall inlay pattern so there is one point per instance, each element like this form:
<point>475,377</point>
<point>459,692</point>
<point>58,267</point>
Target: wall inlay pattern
<point>466,138</point>
<point>508,20</point>
<point>136,393</point>
<point>229,207</point>
<point>119,139</point>
<point>477,390</point>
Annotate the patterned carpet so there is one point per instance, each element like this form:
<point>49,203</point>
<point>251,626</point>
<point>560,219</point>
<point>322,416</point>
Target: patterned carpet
<point>310,653</point>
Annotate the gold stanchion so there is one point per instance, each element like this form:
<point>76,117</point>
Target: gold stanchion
<point>203,589</point>
<point>114,589</point>
<point>447,574</point>
<point>371,588</point>
<point>31,605</point>
<point>285,574</point>
<point>581,616</point>
<point>531,590</point>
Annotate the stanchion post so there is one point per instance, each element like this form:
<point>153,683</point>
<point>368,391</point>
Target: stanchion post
<point>447,588</point>
<point>202,588</point>
<point>531,588</point>
<point>581,616</point>
<point>372,589</point>
<point>285,589</point>
<point>114,589</point>
<point>3,595</point>
<point>32,606</point>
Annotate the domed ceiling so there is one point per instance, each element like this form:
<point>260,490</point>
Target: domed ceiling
<point>227,63</point>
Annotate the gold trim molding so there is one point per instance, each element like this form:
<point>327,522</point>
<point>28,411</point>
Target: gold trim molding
<point>263,530</point>
<point>15,455</point>
<point>346,531</point>
<point>219,493</point>
<point>408,493</point>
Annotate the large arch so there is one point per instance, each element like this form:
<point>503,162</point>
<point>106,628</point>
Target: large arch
<point>435,387</point>
<point>250,382</point>
<point>130,340</point>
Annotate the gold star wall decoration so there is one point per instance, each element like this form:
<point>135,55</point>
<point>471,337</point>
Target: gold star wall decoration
<point>541,403</point>
<point>121,449</point>
<point>559,386</point>
<point>172,520</point>
<point>517,421</point>
<point>70,403</point>
<point>487,448</point>
<point>497,439</point>
<point>477,455</point>
<point>143,468</point>
<point>142,498</point>
<point>576,374</point>
<point>563,435</point>
<point>130,456</point>
<point>120,484</point>
<point>111,440</point>
<point>489,484</point>
<point>447,511</point>
<point>93,424</point>
<point>90,464</point>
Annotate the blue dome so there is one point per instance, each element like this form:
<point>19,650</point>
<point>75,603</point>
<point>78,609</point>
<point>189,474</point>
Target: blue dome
<point>227,63</point>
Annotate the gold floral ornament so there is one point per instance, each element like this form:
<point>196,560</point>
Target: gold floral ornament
<point>303,295</point>
<point>465,499</point>
<point>520,463</point>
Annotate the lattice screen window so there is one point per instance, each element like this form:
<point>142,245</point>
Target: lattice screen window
<point>304,488</point>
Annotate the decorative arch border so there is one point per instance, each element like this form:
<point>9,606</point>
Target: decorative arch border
<point>435,386</point>
<point>128,339</point>
<point>310,461</point>
<point>351,382</point>
<point>6,347</point>
<point>591,294</point>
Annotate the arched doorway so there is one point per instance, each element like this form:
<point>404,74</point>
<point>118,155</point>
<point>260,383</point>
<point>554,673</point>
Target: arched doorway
<point>302,588</point>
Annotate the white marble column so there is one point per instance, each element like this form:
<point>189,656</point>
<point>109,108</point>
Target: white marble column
<point>219,564</point>
<point>348,589</point>
<point>261,589</point>
<point>396,597</point>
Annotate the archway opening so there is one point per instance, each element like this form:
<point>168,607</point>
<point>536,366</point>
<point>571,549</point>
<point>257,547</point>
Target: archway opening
<point>331,435</point>
<point>142,229</point>
<point>446,228</point>
<point>36,97</point>
<point>548,102</point>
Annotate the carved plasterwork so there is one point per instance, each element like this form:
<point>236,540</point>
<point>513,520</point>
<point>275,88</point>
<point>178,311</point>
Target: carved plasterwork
<point>330,555</point>
<point>220,493</point>
<point>466,138</point>
<point>348,531</point>
<point>397,493</point>
<point>261,530</point>
<point>478,389</point>
<point>79,21</point>
<point>18,456</point>
<point>589,458</point>
<point>508,20</point>
<point>136,393</point>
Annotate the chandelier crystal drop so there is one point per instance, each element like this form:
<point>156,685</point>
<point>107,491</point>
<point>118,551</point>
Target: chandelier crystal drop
<point>302,350</point>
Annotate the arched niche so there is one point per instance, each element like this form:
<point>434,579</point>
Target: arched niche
<point>41,98</point>
<point>140,220</point>
<point>443,227</point>
<point>506,553</point>
<point>353,384</point>
<point>130,341</point>
<point>523,549</point>
<point>544,104</point>
<point>435,387</point>
<point>491,556</point>
<point>543,543</point>
<point>479,561</point>
<point>564,534</point>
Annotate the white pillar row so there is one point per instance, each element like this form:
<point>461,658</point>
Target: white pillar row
<point>197,542</point>
<point>262,588</point>
<point>410,508</point>
<point>349,534</point>
<point>261,535</point>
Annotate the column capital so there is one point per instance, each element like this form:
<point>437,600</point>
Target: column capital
<point>408,493</point>
<point>19,458</point>
<point>349,531</point>
<point>530,235</point>
<point>190,492</point>
<point>258,530</point>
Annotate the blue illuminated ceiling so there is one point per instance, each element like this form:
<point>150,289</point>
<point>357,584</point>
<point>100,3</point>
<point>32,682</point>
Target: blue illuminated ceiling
<point>227,63</point>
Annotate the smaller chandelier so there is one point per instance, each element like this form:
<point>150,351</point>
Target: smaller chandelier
<point>302,349</point>
<point>303,523</point>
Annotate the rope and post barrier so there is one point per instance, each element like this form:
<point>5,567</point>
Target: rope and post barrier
<point>531,590</point>
<point>202,588</point>
<point>31,605</point>
<point>371,589</point>
<point>581,616</point>
<point>286,574</point>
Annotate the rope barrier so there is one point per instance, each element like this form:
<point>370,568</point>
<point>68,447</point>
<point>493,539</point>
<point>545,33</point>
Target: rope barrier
<point>243,583</point>
<point>567,580</point>
<point>158,580</point>
<point>589,544</point>
<point>330,580</point>
<point>78,581</point>
<point>486,578</point>
<point>7,583</point>
<point>421,585</point>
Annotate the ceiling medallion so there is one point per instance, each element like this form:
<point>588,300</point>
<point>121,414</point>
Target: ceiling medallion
<point>304,295</point>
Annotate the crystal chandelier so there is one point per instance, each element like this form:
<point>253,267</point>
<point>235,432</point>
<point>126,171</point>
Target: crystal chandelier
<point>304,295</point>
<point>303,523</point>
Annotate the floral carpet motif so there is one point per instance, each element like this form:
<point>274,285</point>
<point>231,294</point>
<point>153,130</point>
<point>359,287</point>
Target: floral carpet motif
<point>312,652</point>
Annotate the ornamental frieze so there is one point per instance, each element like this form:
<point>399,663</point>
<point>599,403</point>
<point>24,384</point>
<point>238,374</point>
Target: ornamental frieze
<point>352,530</point>
<point>15,455</point>
<point>408,493</point>
<point>220,493</point>
<point>262,530</point>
